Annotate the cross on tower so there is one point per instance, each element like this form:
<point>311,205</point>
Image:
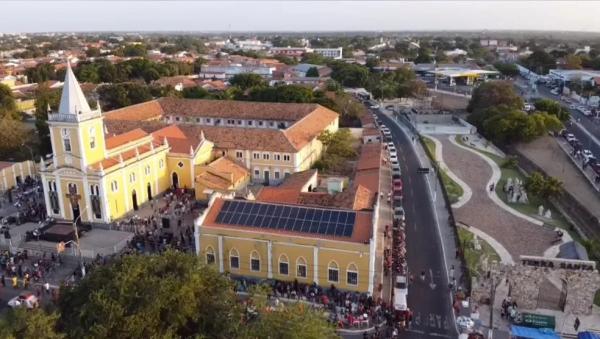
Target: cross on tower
<point>73,196</point>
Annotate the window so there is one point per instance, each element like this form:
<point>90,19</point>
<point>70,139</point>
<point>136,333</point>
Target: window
<point>180,164</point>
<point>332,272</point>
<point>301,268</point>
<point>260,123</point>
<point>207,120</point>
<point>217,121</point>
<point>257,173</point>
<point>286,157</point>
<point>177,118</point>
<point>230,122</point>
<point>198,120</point>
<point>147,170</point>
<point>277,156</point>
<point>276,174</point>
<point>234,259</point>
<point>239,122</point>
<point>286,174</point>
<point>210,255</point>
<point>92,138</point>
<point>239,154</point>
<point>254,261</point>
<point>352,275</point>
<point>255,156</point>
<point>66,140</point>
<point>271,123</point>
<point>114,186</point>
<point>132,177</point>
<point>161,163</point>
<point>250,122</point>
<point>283,265</point>
<point>265,156</point>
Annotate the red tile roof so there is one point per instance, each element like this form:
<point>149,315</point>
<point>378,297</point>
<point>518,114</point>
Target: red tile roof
<point>122,139</point>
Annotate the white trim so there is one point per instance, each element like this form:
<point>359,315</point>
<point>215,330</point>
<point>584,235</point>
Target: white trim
<point>125,191</point>
<point>250,262</point>
<point>315,265</point>
<point>270,259</point>
<point>54,149</point>
<point>279,262</point>
<point>348,270</point>
<point>104,195</point>
<point>305,267</point>
<point>61,201</point>
<point>81,149</point>
<point>88,204</point>
<point>46,190</point>
<point>336,268</point>
<point>221,254</point>
<point>372,249</point>
<point>237,255</point>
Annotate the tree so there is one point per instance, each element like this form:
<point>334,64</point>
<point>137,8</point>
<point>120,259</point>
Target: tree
<point>312,72</point>
<point>286,60</point>
<point>172,295</point>
<point>349,75</point>
<point>572,62</point>
<point>539,61</point>
<point>21,323</point>
<point>125,94</point>
<point>92,52</point>
<point>8,106</point>
<point>315,59</point>
<point>14,134</point>
<point>338,150</point>
<point>45,99</point>
<point>136,50</point>
<point>285,93</point>
<point>424,56</point>
<point>41,72</point>
<point>198,64</point>
<point>494,93</point>
<point>507,69</point>
<point>247,80</point>
<point>543,186</point>
<point>553,107</point>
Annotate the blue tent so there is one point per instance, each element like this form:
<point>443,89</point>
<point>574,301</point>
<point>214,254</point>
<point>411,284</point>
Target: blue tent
<point>588,335</point>
<point>533,333</point>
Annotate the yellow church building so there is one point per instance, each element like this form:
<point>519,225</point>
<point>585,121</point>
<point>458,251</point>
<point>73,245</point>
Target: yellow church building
<point>104,165</point>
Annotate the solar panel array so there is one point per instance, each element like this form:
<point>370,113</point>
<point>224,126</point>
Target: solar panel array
<point>288,218</point>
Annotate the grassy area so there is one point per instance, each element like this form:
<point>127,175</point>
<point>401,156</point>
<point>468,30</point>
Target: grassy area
<point>453,189</point>
<point>531,208</point>
<point>473,257</point>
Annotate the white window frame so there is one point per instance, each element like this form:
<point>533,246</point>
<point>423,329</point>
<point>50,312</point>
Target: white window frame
<point>252,258</point>
<point>352,268</point>
<point>161,163</point>
<point>66,138</point>
<point>92,132</point>
<point>265,156</point>
<point>301,261</point>
<point>276,156</point>
<point>330,268</point>
<point>239,154</point>
<point>132,177</point>
<point>210,252</point>
<point>255,155</point>
<point>286,156</point>
<point>283,259</point>
<point>114,186</point>
<point>237,256</point>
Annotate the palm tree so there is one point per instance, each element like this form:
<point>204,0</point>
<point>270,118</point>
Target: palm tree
<point>552,187</point>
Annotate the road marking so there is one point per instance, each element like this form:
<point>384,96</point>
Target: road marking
<point>439,320</point>
<point>417,319</point>
<point>446,325</point>
<point>431,284</point>
<point>431,320</point>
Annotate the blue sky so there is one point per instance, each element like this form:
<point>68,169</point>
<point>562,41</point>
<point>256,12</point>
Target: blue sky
<point>282,15</point>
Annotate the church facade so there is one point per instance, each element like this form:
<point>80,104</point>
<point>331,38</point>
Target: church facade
<point>105,165</point>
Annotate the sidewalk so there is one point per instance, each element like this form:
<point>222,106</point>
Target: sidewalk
<point>588,173</point>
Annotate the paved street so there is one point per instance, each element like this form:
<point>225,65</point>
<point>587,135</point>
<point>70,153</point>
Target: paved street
<point>429,299</point>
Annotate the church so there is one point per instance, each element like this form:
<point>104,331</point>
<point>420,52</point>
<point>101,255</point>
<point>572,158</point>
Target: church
<point>105,165</point>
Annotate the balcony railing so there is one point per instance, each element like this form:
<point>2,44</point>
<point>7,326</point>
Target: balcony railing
<point>61,117</point>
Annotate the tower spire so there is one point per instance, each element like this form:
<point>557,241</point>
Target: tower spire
<point>72,100</point>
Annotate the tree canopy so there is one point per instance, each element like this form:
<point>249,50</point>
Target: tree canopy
<point>168,295</point>
<point>247,80</point>
<point>507,69</point>
<point>492,94</point>
<point>553,107</point>
<point>312,72</point>
<point>8,106</point>
<point>349,75</point>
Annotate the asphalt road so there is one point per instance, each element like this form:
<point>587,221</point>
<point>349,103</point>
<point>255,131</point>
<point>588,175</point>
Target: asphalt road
<point>429,302</point>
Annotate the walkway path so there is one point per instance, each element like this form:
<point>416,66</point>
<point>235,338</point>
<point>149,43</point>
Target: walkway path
<point>467,193</point>
<point>502,252</point>
<point>485,210</point>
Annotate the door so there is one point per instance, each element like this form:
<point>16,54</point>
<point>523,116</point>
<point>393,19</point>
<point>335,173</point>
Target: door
<point>175,180</point>
<point>134,199</point>
<point>76,214</point>
<point>267,178</point>
<point>149,188</point>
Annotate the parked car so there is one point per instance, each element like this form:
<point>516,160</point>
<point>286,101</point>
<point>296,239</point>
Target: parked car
<point>396,169</point>
<point>400,293</point>
<point>27,300</point>
<point>397,185</point>
<point>399,213</point>
<point>393,153</point>
<point>570,137</point>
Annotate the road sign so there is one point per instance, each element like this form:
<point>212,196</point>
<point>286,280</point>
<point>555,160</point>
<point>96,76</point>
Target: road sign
<point>537,320</point>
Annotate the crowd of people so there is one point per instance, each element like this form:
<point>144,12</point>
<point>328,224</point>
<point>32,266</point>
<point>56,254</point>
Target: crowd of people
<point>28,200</point>
<point>346,309</point>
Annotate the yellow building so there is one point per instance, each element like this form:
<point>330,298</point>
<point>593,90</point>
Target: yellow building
<point>262,240</point>
<point>14,173</point>
<point>106,165</point>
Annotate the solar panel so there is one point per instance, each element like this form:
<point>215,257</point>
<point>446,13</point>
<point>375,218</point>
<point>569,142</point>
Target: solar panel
<point>289,218</point>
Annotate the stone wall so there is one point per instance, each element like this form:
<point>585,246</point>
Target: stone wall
<point>524,284</point>
<point>581,287</point>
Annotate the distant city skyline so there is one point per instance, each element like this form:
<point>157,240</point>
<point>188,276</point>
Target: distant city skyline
<point>290,16</point>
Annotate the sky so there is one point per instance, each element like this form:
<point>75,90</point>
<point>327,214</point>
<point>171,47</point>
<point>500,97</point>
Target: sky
<point>286,15</point>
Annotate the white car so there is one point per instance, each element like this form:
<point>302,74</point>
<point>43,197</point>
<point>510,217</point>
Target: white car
<point>570,137</point>
<point>28,300</point>
<point>399,213</point>
<point>393,153</point>
<point>396,169</point>
<point>400,293</point>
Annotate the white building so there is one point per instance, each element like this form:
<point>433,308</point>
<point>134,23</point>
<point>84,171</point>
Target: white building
<point>455,52</point>
<point>334,53</point>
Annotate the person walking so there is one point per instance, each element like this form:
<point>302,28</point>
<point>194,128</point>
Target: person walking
<point>15,281</point>
<point>3,282</point>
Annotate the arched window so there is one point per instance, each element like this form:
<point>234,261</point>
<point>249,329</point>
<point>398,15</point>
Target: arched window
<point>66,135</point>
<point>92,137</point>
<point>352,275</point>
<point>234,259</point>
<point>254,261</point>
<point>283,265</point>
<point>333,272</point>
<point>210,255</point>
<point>301,267</point>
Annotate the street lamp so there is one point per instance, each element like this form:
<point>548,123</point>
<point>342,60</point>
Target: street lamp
<point>81,266</point>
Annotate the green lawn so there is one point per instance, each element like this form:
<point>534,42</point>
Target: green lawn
<point>530,208</point>
<point>474,257</point>
<point>452,188</point>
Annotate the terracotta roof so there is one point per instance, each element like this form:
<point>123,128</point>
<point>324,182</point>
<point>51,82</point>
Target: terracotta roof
<point>184,80</point>
<point>227,166</point>
<point>370,131</point>
<point>368,178</point>
<point>298,180</point>
<point>126,155</point>
<point>305,130</point>
<point>367,120</point>
<point>5,164</point>
<point>278,195</point>
<point>149,110</point>
<point>235,109</point>
<point>122,139</point>
<point>370,157</point>
<point>361,233</point>
<point>179,141</point>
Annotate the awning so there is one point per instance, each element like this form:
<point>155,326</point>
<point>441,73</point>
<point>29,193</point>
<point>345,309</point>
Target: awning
<point>533,333</point>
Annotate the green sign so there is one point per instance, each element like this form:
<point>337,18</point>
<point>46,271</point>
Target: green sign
<point>538,320</point>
